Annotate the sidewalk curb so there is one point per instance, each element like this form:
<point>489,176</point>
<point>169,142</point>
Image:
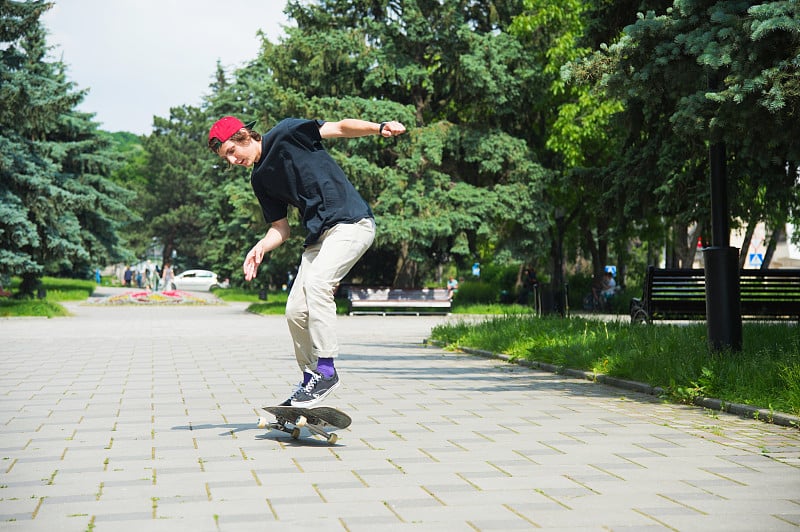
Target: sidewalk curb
<point>762,414</point>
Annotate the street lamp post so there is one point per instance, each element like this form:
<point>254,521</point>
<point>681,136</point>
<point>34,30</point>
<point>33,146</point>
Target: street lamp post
<point>723,306</point>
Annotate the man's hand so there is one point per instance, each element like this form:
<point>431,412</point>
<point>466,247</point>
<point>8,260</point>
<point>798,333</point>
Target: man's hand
<point>252,262</point>
<point>277,234</point>
<point>392,129</point>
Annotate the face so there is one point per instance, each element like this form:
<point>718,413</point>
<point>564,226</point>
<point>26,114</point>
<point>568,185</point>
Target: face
<point>240,154</point>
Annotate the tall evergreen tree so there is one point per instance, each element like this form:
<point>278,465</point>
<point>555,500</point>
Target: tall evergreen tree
<point>59,212</point>
<point>708,71</point>
<point>174,196</point>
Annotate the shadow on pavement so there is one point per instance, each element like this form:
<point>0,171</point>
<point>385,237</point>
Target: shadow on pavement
<point>230,428</point>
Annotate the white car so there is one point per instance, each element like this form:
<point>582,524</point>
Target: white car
<point>195,280</point>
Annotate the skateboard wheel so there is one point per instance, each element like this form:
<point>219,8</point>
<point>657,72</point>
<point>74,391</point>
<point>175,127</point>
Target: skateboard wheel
<point>333,438</point>
<point>295,433</point>
<point>262,422</point>
<point>301,421</point>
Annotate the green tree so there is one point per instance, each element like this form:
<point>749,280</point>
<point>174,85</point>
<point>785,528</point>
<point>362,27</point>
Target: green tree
<point>131,174</point>
<point>59,212</point>
<point>598,209</point>
<point>174,197</point>
<point>452,74</point>
<point>700,72</point>
<point>446,69</point>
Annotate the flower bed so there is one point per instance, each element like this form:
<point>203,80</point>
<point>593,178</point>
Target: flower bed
<point>146,297</point>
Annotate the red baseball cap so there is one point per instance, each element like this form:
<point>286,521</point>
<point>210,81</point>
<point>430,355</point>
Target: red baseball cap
<point>224,128</point>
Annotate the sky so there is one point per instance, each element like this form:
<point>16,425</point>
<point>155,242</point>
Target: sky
<point>138,58</point>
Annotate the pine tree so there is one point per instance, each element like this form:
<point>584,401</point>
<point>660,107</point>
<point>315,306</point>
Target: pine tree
<point>172,208</point>
<point>59,213</point>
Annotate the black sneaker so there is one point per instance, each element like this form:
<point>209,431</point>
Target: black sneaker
<point>295,391</point>
<point>317,389</point>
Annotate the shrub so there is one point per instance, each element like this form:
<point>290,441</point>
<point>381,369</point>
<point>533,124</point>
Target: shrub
<point>501,276</point>
<point>470,292</point>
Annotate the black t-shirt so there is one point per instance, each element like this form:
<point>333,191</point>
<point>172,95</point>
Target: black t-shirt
<point>295,169</point>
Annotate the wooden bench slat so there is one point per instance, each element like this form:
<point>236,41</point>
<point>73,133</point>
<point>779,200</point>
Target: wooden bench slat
<point>404,303</point>
<point>680,293</point>
<point>395,298</point>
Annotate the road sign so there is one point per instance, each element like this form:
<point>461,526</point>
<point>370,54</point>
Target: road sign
<point>756,259</point>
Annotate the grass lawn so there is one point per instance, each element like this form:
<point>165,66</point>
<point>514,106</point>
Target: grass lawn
<point>765,374</point>
<point>274,305</point>
<point>31,307</point>
<point>56,290</point>
<point>240,295</point>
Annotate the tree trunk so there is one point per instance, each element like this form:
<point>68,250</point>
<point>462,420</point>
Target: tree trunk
<point>748,237</point>
<point>684,246</point>
<point>692,249</point>
<point>671,259</point>
<point>623,256</point>
<point>594,252</point>
<point>28,285</point>
<point>405,269</point>
<point>602,245</point>
<point>557,256</point>
<point>518,283</point>
<point>777,234</point>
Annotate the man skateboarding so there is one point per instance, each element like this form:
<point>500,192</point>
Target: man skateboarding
<point>291,167</point>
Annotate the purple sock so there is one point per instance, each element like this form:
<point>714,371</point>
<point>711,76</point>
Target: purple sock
<point>325,367</point>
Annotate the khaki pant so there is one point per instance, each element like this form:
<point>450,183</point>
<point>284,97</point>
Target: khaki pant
<point>310,309</point>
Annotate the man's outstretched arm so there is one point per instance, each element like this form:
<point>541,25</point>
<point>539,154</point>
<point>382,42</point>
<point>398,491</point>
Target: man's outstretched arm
<point>353,127</point>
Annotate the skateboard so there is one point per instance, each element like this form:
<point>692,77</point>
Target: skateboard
<point>290,419</point>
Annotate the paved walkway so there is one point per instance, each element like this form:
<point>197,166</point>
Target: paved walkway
<point>143,418</point>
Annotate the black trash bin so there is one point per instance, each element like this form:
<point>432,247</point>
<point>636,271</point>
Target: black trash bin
<point>549,301</point>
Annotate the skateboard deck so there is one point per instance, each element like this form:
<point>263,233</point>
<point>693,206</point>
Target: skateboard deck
<point>291,419</point>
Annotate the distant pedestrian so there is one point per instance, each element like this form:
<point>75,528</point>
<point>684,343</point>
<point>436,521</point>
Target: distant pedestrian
<point>167,276</point>
<point>476,269</point>
<point>155,279</point>
<point>529,284</point>
<point>452,287</point>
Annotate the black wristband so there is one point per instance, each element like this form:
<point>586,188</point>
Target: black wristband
<point>380,129</point>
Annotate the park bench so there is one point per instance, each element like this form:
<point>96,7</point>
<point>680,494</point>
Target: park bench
<point>677,293</point>
<point>364,300</point>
